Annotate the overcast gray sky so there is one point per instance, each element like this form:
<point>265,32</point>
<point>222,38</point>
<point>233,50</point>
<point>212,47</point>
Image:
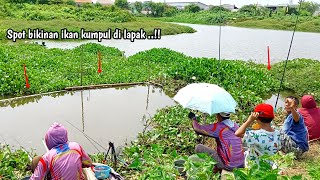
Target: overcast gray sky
<point>238,3</point>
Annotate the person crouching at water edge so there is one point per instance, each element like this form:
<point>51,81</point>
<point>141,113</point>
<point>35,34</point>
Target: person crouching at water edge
<point>64,160</point>
<point>229,153</point>
<point>264,140</point>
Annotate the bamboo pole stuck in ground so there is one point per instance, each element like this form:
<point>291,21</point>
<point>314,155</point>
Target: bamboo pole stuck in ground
<point>82,88</point>
<point>109,86</point>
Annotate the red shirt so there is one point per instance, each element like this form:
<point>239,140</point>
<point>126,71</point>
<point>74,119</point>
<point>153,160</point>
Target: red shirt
<point>312,121</point>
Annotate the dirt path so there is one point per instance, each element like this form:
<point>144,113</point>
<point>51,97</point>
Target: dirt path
<point>308,159</point>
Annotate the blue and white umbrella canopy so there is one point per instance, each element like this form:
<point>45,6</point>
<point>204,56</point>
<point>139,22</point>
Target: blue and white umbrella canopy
<point>207,98</point>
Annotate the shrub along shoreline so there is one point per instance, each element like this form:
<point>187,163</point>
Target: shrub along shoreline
<point>171,137</point>
<point>54,17</point>
<point>75,26</point>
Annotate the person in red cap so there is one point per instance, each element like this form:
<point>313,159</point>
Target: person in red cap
<point>311,115</point>
<point>265,140</point>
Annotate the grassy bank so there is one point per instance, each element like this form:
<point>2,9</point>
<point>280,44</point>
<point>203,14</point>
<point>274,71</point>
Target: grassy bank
<point>55,17</point>
<point>306,24</point>
<point>75,26</point>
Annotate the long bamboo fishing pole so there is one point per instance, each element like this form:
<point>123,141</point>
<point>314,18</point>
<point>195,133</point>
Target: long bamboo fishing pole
<point>220,22</point>
<point>24,150</point>
<point>285,64</point>
<point>82,111</point>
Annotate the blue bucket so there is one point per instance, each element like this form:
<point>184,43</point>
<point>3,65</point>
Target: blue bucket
<point>102,171</point>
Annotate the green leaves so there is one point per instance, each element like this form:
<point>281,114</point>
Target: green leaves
<point>13,163</point>
<point>136,164</point>
<point>263,170</point>
<point>199,166</point>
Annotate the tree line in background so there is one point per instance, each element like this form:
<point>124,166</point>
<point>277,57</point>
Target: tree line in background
<point>163,10</point>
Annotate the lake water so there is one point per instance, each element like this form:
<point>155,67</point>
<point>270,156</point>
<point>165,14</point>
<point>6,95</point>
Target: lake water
<point>236,43</point>
<point>115,115</point>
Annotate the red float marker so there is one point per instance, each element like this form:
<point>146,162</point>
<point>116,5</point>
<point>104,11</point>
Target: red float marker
<point>99,62</point>
<point>26,76</point>
<point>269,65</point>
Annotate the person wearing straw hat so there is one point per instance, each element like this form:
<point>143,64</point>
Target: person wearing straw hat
<point>229,153</point>
<point>64,160</point>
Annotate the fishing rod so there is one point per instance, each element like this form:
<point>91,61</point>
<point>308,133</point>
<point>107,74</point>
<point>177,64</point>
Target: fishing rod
<point>3,139</point>
<point>285,65</point>
<point>220,22</point>
<point>24,150</point>
<point>90,140</point>
<point>87,137</point>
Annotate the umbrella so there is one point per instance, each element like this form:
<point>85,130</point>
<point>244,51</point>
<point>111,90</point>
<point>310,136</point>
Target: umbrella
<point>207,98</point>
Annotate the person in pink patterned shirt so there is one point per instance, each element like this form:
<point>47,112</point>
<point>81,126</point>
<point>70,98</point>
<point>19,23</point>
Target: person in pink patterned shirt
<point>64,160</point>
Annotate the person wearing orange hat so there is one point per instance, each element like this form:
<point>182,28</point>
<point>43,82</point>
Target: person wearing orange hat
<point>294,134</point>
<point>311,115</point>
<point>265,140</point>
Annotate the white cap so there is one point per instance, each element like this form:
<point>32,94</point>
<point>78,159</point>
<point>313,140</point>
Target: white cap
<point>225,114</point>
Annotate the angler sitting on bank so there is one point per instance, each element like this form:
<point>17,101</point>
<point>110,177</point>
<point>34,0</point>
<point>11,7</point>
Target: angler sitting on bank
<point>229,154</point>
<point>64,160</point>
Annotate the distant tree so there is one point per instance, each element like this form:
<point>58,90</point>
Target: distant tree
<point>218,9</point>
<point>138,6</point>
<point>193,8</point>
<point>254,10</point>
<point>310,7</point>
<point>20,1</point>
<point>170,11</point>
<point>123,4</point>
<point>248,9</point>
<point>42,2</point>
<point>55,1</point>
<point>70,2</point>
<point>157,9</point>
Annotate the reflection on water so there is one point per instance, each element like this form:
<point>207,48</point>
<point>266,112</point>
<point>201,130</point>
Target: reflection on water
<point>272,101</point>
<point>104,115</point>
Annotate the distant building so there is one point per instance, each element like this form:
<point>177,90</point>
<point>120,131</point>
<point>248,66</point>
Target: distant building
<point>105,2</point>
<point>182,5</point>
<point>275,7</point>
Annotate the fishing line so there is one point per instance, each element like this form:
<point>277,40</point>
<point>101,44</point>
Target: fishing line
<point>23,149</point>
<point>285,65</point>
<point>88,138</point>
<point>3,140</point>
<point>220,22</point>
